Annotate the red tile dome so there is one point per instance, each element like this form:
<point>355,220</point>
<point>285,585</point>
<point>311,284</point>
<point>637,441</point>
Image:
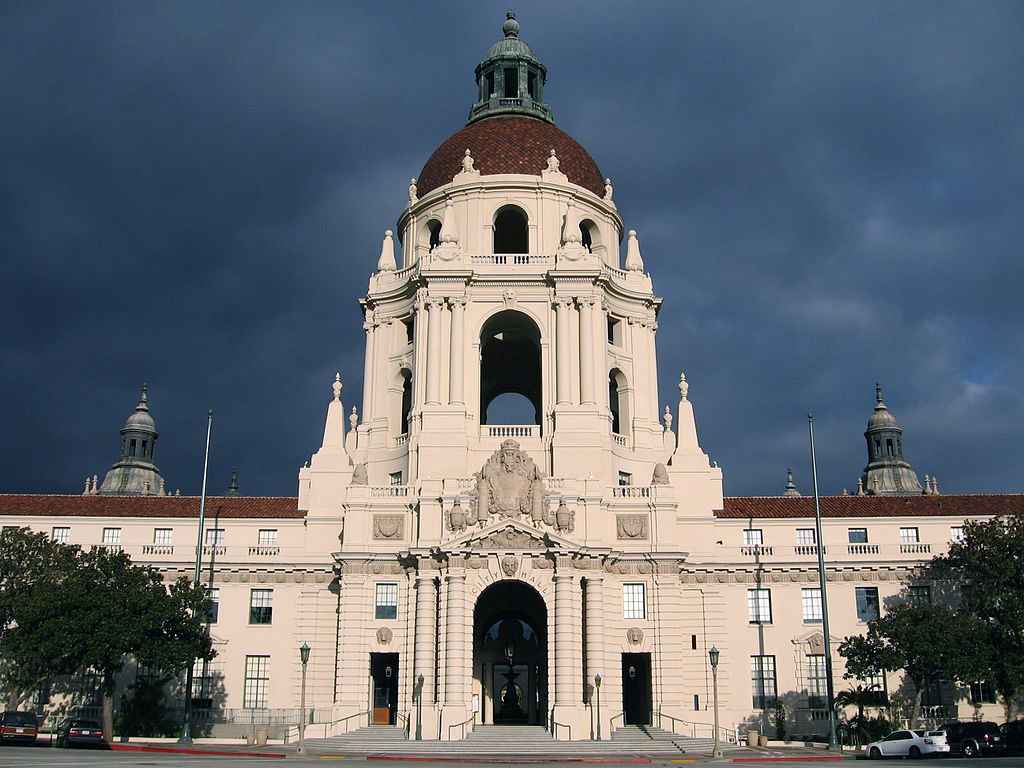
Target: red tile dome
<point>510,144</point>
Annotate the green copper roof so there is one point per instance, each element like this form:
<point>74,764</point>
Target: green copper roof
<point>510,80</point>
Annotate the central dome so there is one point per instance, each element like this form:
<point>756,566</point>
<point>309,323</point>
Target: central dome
<point>511,144</point>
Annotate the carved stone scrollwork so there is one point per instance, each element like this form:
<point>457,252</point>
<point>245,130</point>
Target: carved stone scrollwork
<point>631,526</point>
<point>388,526</point>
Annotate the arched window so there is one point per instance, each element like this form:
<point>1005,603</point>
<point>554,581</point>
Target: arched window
<point>406,401</point>
<point>618,402</point>
<point>510,370</point>
<point>511,231</point>
<point>434,227</point>
<point>588,241</point>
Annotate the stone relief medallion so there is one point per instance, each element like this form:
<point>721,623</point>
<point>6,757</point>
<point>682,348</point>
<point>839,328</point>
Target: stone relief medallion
<point>509,565</point>
<point>816,643</point>
<point>384,635</point>
<point>635,636</point>
<point>510,485</point>
<point>387,526</point>
<point>631,526</point>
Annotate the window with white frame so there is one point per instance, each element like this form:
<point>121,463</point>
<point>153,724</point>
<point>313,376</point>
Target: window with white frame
<point>759,606</point>
<point>875,684</point>
<point>257,681</point>
<point>634,601</point>
<point>61,534</point>
<point>261,606</point>
<point>215,537</point>
<point>267,537</point>
<point>956,534</point>
<point>112,536</point>
<point>753,537</point>
<point>816,685</point>
<point>202,683</point>
<point>805,537</point>
<point>857,535</point>
<point>214,613</point>
<point>867,603</point>
<point>625,478</point>
<point>920,594</point>
<point>386,603</point>
<point>909,536</point>
<point>762,677</point>
<point>163,536</point>
<point>395,478</point>
<point>811,600</point>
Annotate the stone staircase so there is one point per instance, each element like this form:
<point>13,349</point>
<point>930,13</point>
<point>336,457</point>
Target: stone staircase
<point>512,741</point>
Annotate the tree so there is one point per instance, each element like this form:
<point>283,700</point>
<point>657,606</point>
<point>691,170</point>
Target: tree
<point>985,571</point>
<point>99,610</point>
<point>923,640</point>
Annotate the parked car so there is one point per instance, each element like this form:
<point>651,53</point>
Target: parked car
<point>1013,737</point>
<point>80,733</point>
<point>974,738</point>
<point>909,744</point>
<point>19,727</point>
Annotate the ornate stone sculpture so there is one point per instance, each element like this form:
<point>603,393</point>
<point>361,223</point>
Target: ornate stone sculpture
<point>387,526</point>
<point>509,565</point>
<point>510,485</point>
<point>359,475</point>
<point>660,475</point>
<point>635,635</point>
<point>384,635</point>
<point>631,526</point>
<point>413,196</point>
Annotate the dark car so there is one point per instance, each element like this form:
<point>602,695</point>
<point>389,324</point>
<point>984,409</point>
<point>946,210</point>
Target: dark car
<point>974,738</point>
<point>80,733</point>
<point>1013,737</point>
<point>19,727</point>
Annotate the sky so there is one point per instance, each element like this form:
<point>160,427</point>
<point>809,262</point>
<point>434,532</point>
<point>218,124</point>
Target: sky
<point>826,194</point>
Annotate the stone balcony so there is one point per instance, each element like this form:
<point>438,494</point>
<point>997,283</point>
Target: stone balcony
<point>770,553</point>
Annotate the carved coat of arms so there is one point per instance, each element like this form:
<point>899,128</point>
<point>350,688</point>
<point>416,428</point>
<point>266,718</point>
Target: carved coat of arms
<point>510,485</point>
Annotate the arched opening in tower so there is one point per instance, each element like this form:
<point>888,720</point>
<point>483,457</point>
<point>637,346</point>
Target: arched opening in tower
<point>511,231</point>
<point>510,370</point>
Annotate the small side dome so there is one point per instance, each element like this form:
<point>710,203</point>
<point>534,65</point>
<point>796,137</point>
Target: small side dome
<point>881,418</point>
<point>140,419</point>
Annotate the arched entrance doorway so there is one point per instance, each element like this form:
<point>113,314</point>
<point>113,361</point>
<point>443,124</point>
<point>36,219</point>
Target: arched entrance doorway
<point>510,654</point>
<point>510,364</point>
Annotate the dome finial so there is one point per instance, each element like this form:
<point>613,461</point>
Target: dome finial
<point>511,26</point>
<point>878,394</point>
<point>143,398</point>
<point>791,489</point>
<point>336,386</point>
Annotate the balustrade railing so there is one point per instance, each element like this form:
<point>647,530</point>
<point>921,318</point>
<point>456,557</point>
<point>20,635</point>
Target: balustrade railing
<point>758,550</point>
<point>381,491</point>
<point>158,549</point>
<point>862,549</point>
<point>631,491</point>
<point>509,430</point>
<point>402,439</point>
<point>808,549</point>
<point>619,439</point>
<point>264,551</point>
<point>916,549</point>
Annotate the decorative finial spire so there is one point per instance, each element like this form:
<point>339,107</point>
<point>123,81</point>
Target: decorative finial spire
<point>684,386</point>
<point>87,489</point>
<point>467,162</point>
<point>791,489</point>
<point>668,419</point>
<point>860,486</point>
<point>233,485</point>
<point>608,190</point>
<point>553,163</point>
<point>353,419</point>
<point>95,484</point>
<point>927,490</point>
<point>143,398</point>
<point>878,395</point>
<point>511,27</point>
<point>413,192</point>
<point>634,262</point>
<point>386,262</point>
<point>336,386</point>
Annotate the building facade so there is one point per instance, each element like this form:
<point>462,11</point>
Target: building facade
<point>572,567</point>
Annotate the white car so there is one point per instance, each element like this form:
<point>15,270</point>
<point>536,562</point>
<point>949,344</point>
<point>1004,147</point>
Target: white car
<point>909,744</point>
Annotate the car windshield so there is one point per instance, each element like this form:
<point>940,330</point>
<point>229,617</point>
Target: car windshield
<point>19,718</point>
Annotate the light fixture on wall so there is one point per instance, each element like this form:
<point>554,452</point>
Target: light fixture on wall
<point>387,671</point>
<point>632,672</point>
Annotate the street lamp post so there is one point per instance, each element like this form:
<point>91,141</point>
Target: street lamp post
<point>597,688</point>
<point>714,653</point>
<point>304,656</point>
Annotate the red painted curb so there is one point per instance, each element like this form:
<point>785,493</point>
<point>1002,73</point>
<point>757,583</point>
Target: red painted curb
<point>486,760</point>
<point>183,751</point>
<point>793,759</point>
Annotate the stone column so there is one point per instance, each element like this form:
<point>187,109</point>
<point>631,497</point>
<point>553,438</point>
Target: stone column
<point>638,350</point>
<point>458,352</point>
<point>368,370</point>
<point>652,357</point>
<point>434,307</point>
<point>594,640</point>
<point>455,640</point>
<point>564,662</point>
<point>423,647</point>
<point>587,350</point>
<point>563,353</point>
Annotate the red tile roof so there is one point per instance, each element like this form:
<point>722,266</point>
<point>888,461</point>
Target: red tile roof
<point>504,144</point>
<point>54,505</point>
<point>966,505</point>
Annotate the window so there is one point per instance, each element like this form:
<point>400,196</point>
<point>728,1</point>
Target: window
<point>805,537</point>
<point>816,687</point>
<point>163,536</point>
<point>982,692</point>
<point>410,322</point>
<point>693,642</point>
<point>531,84</point>
<point>267,537</point>
<point>586,237</point>
<point>759,606</point>
<point>112,536</point>
<point>434,228</point>
<point>634,602</point>
<point>395,478</point>
<point>261,608</point>
<point>811,599</point>
<point>61,534</point>
<point>762,676</point>
<point>215,537</point>
<point>511,231</point>
<point>876,685</point>
<point>909,536</point>
<point>696,702</point>
<point>387,601</point>
<point>131,447</point>
<point>936,693</point>
<point>214,612</point>
<point>920,594</point>
<point>257,680</point>
<point>511,83</point>
<point>867,603</point>
<point>857,535</point>
<point>143,454</point>
<point>202,684</point>
<point>625,478</point>
<point>753,537</point>
<point>490,83</point>
<point>956,534</point>
<point>889,446</point>
<point>613,331</point>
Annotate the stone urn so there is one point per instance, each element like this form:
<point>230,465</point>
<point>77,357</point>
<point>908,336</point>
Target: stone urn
<point>563,517</point>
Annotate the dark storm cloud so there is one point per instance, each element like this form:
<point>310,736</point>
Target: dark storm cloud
<point>826,193</point>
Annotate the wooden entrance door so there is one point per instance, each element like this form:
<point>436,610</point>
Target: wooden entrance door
<point>384,688</point>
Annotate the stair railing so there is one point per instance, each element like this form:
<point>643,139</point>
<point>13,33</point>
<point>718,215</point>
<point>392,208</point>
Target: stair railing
<point>555,725</point>
<point>403,720</point>
<point>725,735</point>
<point>461,725</point>
<point>329,726</point>
<point>611,723</point>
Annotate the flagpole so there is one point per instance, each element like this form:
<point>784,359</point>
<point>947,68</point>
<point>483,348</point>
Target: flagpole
<point>830,691</point>
<point>186,733</point>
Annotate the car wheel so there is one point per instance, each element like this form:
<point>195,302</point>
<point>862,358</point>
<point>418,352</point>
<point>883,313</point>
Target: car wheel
<point>970,749</point>
<point>915,753</point>
<point>875,753</point>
